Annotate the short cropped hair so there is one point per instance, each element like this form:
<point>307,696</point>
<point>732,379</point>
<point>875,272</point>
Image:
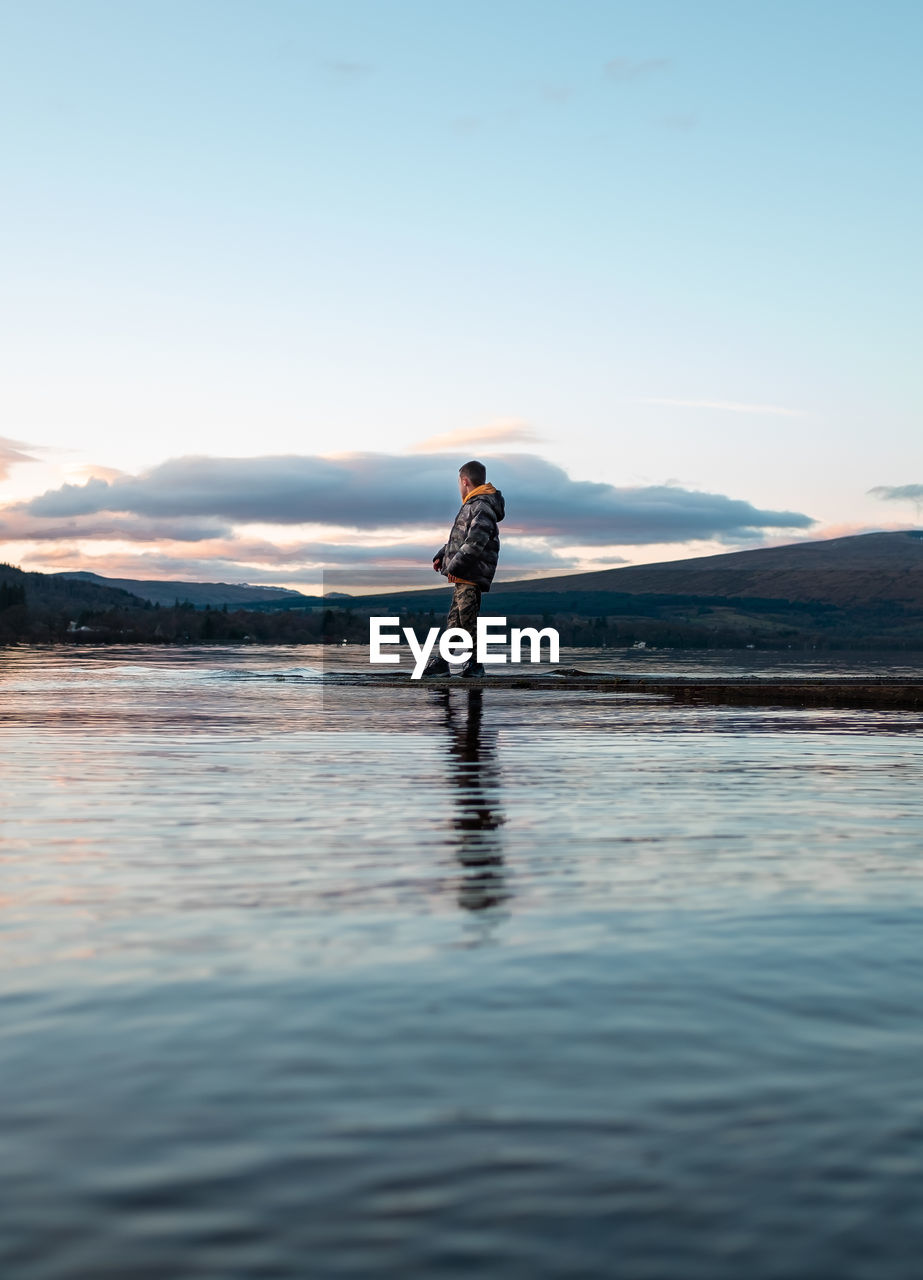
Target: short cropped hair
<point>476,472</point>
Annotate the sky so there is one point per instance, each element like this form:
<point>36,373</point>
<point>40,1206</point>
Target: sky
<point>272,271</point>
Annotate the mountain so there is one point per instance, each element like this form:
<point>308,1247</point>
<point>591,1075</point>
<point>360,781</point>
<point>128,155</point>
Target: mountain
<point>53,592</point>
<point>41,608</point>
<point>200,594</point>
<point>864,569</point>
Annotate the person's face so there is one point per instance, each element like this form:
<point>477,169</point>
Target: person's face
<point>464,484</point>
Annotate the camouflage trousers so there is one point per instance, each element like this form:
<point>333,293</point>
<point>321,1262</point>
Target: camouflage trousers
<point>466,605</point>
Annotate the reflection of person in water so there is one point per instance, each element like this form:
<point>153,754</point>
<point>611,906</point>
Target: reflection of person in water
<point>475,790</point>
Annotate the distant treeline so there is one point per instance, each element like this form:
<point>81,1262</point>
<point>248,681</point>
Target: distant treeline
<point>145,623</point>
<point>41,609</point>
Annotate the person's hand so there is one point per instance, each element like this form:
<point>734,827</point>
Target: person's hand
<point>437,564</point>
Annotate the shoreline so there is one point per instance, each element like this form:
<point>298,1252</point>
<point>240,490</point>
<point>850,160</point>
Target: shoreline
<point>887,693</point>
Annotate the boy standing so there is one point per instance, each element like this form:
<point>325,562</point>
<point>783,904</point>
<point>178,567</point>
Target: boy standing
<point>469,558</point>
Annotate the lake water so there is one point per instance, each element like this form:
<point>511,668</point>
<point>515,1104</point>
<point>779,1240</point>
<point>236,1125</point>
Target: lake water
<point>351,981</point>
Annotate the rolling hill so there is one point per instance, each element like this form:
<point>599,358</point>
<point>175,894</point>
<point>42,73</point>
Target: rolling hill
<point>215,594</point>
<point>53,592</point>
<point>859,570</point>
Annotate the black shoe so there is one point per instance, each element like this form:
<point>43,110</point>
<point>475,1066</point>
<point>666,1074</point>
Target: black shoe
<point>437,667</point>
<point>472,670</point>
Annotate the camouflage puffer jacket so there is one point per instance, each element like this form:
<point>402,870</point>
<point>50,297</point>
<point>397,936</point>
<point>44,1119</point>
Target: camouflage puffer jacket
<point>474,544</point>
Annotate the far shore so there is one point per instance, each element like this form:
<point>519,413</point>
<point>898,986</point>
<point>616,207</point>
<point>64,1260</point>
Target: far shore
<point>887,693</point>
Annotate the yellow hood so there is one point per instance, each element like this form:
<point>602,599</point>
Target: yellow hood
<point>481,488</point>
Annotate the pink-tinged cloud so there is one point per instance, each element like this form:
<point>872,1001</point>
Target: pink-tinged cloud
<point>93,471</point>
<point>11,455</point>
<point>257,562</point>
<point>828,532</point>
<point>490,436</point>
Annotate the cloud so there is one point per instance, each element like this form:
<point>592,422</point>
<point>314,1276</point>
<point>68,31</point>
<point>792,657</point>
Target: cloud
<point>18,525</point>
<point>162,565</point>
<point>348,70</point>
<point>682,121</point>
<point>622,70</point>
<point>345,568</point>
<point>508,431</point>
<point>729,406</point>
<point>95,472</point>
<point>466,124</point>
<point>557,94</point>
<point>846,529</point>
<point>377,491</point>
<point>11,455</point>
<point>606,561</point>
<point>898,493</point>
